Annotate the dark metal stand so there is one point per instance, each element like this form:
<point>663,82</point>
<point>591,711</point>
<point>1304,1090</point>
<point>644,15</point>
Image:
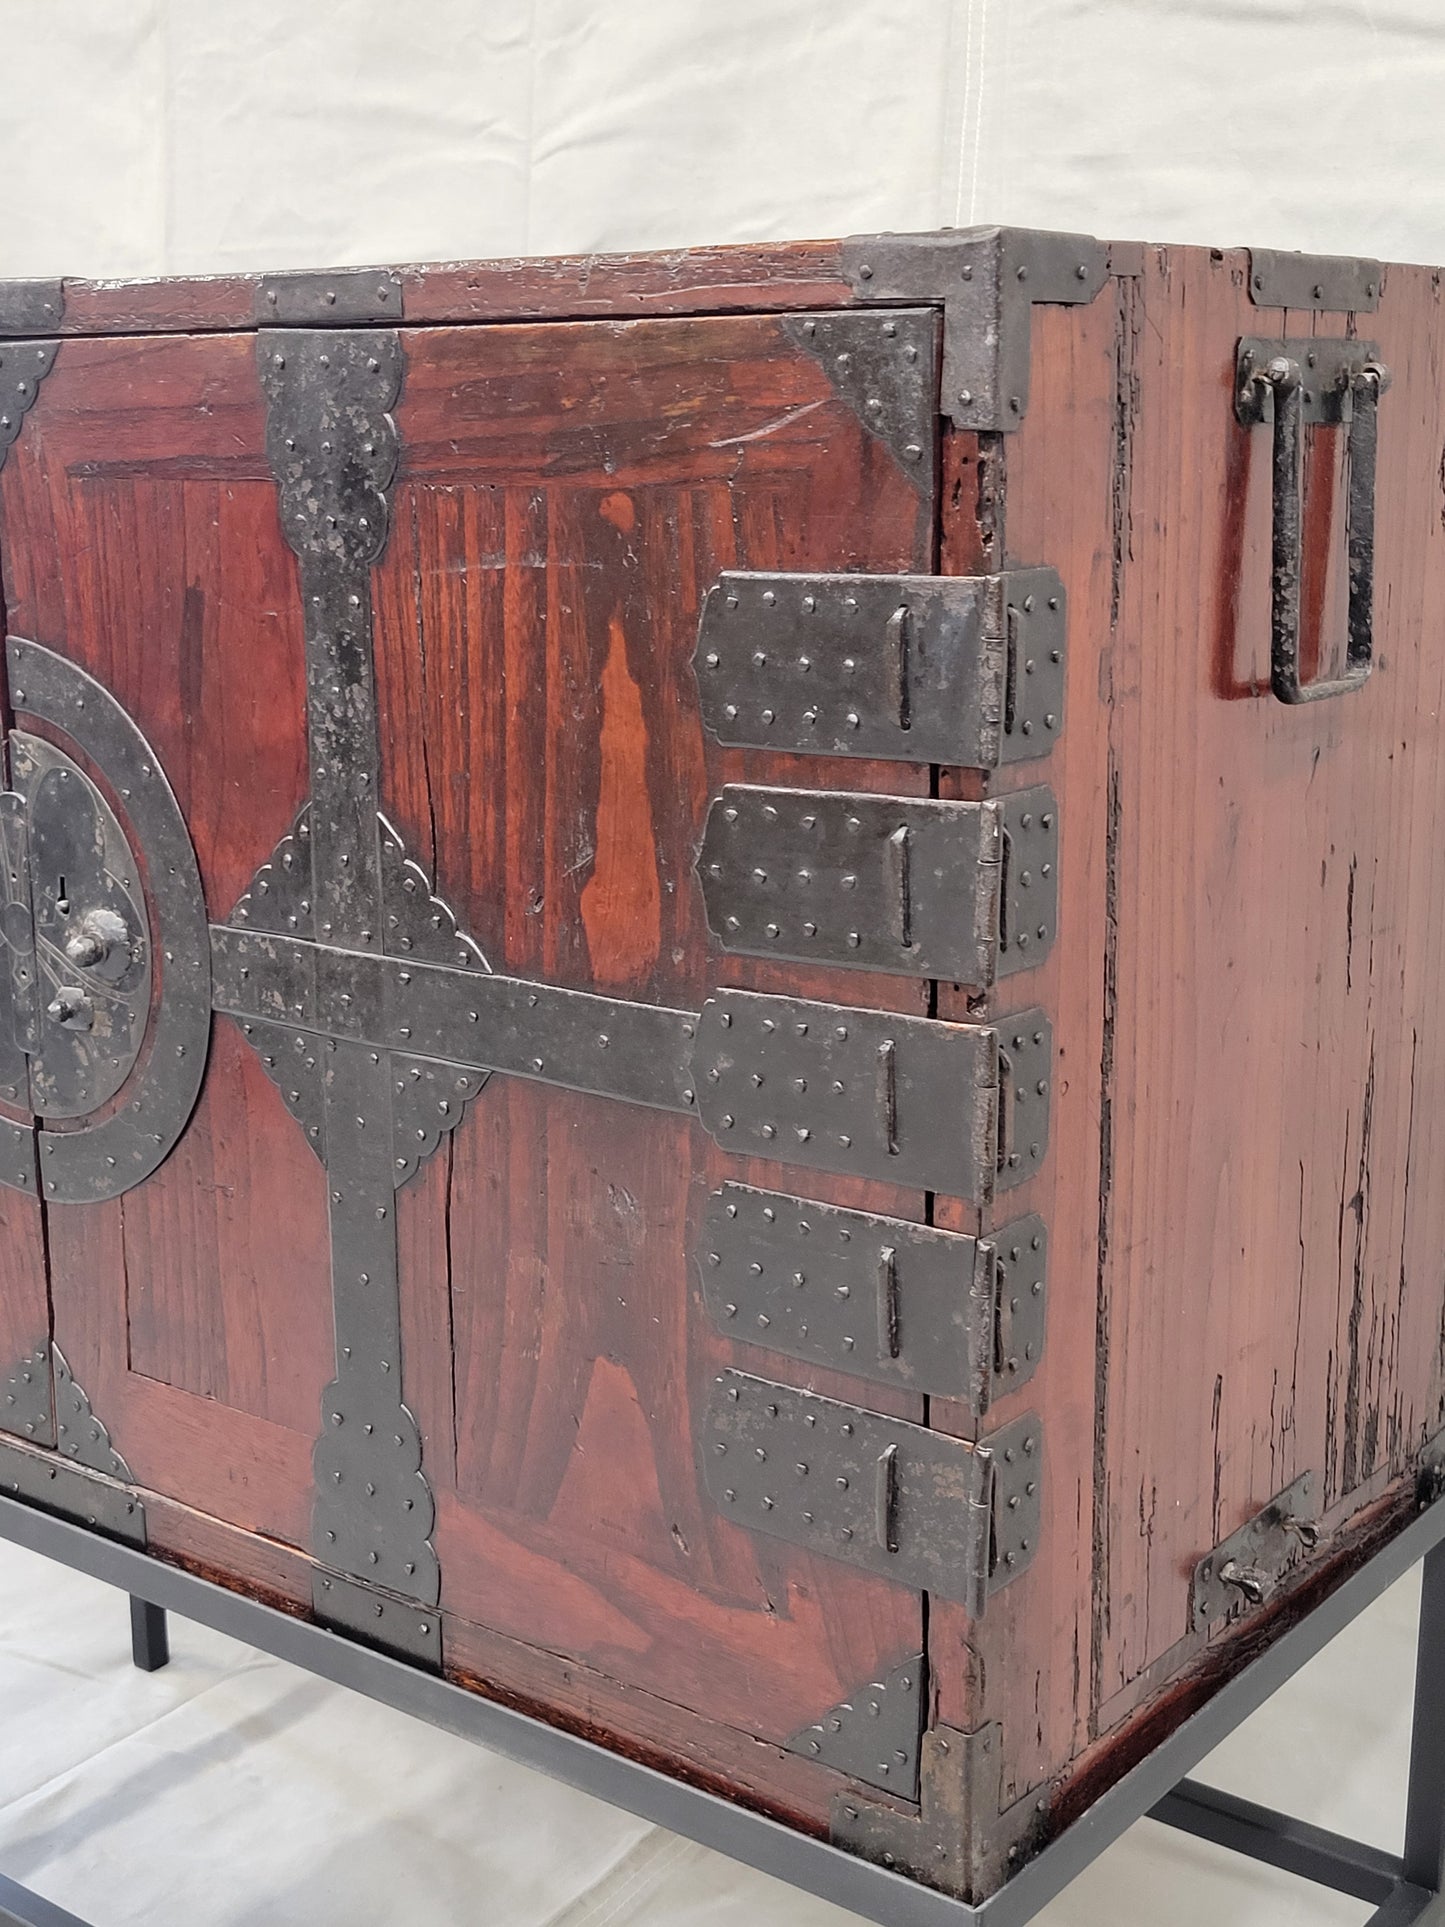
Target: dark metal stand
<point>150,1640</point>
<point>1404,1889</point>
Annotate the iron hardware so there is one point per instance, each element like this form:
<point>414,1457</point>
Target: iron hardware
<point>965,670</point>
<point>899,1303</point>
<point>54,1485</point>
<point>961,891</point>
<point>342,299</point>
<point>76,839</point>
<point>873,1736</point>
<point>987,280</point>
<point>1252,1563</point>
<point>1026,1057</point>
<point>30,308</point>
<point>778,1077</point>
<point>961,1838</point>
<point>1327,283</point>
<point>82,1477</point>
<point>885,367</point>
<point>921,1507</point>
<point>1291,383</point>
<point>23,366</point>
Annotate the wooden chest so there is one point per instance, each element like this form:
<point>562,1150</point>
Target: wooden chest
<point>697,1022</point>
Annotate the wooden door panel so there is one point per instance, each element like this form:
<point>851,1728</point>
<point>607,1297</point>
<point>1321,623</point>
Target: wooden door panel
<point>566,495</point>
<point>139,528</point>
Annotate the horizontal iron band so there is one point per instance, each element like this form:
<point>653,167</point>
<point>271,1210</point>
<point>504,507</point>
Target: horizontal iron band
<point>877,1093</point>
<point>55,1484</point>
<point>633,1051</point>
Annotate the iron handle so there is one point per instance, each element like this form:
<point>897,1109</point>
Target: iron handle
<point>1283,379</point>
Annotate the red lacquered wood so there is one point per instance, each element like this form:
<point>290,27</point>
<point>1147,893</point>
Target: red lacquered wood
<point>138,522</point>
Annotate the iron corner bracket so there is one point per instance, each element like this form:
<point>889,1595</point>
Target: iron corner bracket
<point>961,1839</point>
<point>987,280</point>
<point>30,308</point>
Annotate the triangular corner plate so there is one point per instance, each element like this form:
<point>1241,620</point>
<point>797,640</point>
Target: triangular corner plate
<point>873,1736</point>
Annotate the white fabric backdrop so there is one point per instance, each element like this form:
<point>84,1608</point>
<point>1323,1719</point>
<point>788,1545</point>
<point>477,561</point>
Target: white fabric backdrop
<point>182,136</point>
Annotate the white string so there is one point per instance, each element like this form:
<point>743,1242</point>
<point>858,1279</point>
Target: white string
<point>970,130</point>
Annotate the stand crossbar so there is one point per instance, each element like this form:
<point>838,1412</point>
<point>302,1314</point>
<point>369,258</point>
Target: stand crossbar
<point>1405,1890</point>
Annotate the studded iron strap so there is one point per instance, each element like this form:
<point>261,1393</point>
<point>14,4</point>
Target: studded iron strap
<point>341,877</point>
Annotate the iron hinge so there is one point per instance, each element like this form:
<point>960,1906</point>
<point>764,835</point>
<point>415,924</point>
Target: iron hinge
<point>964,670</point>
<point>31,308</point>
<point>962,1838</point>
<point>897,1303</point>
<point>1248,1567</point>
<point>933,1512</point>
<point>959,891</point>
<point>344,298</point>
<point>1326,283</point>
<point>988,280</point>
<point>959,1108</point>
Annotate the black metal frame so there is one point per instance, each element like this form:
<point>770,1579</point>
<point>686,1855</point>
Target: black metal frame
<point>1404,1889</point>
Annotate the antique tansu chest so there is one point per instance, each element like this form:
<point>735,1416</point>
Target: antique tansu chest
<point>720,1003</point>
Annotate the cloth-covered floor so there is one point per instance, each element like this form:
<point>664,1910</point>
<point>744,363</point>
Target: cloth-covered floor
<point>231,1790</point>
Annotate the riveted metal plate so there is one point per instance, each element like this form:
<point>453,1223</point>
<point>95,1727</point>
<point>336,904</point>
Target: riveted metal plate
<point>1028,894</point>
<point>427,1101</point>
<point>962,1838</point>
<point>374,1511</point>
<point>899,1303</point>
<point>23,366</point>
<point>54,1485</point>
<point>18,1010</point>
<point>1328,283</point>
<point>987,280</point>
<point>1021,1258</point>
<point>30,308</point>
<point>341,298</point>
<point>872,1736</point>
<point>379,1618</point>
<point>105,1158</point>
<point>966,670</point>
<point>1026,1072</point>
<point>26,1401</point>
<point>91,941</point>
<point>416,922</point>
<point>885,366</point>
<point>1035,625</point>
<point>863,1091</point>
<point>279,895</point>
<point>1247,1568</point>
<point>292,1061</point>
<point>874,882</point>
<point>633,1051</point>
<point>1328,369</point>
<point>17,1158</point>
<point>898,1500</point>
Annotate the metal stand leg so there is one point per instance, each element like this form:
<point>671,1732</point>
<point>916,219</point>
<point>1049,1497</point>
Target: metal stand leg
<point>150,1643</point>
<point>1407,1890</point>
<point>1425,1811</point>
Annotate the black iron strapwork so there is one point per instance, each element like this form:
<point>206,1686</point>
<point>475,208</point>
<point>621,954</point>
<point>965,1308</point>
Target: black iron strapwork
<point>1293,383</point>
<point>964,669</point>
